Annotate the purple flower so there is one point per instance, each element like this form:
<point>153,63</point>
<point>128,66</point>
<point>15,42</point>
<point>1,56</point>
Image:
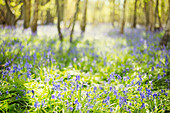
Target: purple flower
<point>159,77</point>
<point>53,96</point>
<point>77,78</point>
<point>110,88</point>
<point>94,89</point>
<point>143,105</point>
<point>36,104</point>
<point>71,108</point>
<point>107,98</point>
<point>7,92</point>
<point>111,109</point>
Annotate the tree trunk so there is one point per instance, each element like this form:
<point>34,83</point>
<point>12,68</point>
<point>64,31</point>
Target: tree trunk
<point>50,18</point>
<point>124,18</point>
<point>113,13</point>
<point>151,16</point>
<point>27,12</point>
<point>147,15</point>
<point>62,10</point>
<point>74,21</point>
<point>157,17</point>
<point>34,18</point>
<point>134,17</point>
<point>59,20</point>
<point>10,17</point>
<point>83,22</point>
<point>166,37</point>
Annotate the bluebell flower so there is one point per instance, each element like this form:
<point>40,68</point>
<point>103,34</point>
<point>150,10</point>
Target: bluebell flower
<point>107,98</point>
<point>53,96</point>
<point>36,104</point>
<point>143,105</point>
<point>94,89</point>
<point>162,90</point>
<point>7,92</point>
<point>159,77</point>
<point>43,103</point>
<point>0,93</point>
<point>111,109</point>
<point>71,108</point>
<point>65,89</point>
<point>110,88</point>
<point>77,78</point>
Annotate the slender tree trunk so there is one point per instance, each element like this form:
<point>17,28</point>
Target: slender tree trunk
<point>163,11</point>
<point>34,18</point>
<point>50,18</point>
<point>157,17</point>
<point>65,13</point>
<point>83,22</point>
<point>27,13</point>
<point>146,15</point>
<point>113,12</point>
<point>151,16</point>
<point>74,21</point>
<point>59,20</point>
<point>124,18</point>
<point>166,37</point>
<point>10,17</point>
<point>62,10</point>
<point>134,17</point>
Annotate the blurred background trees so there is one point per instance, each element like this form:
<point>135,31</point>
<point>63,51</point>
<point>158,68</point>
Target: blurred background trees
<point>151,14</point>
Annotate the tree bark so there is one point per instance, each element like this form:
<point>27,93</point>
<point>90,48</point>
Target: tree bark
<point>34,18</point>
<point>166,37</point>
<point>124,18</point>
<point>151,16</point>
<point>113,13</point>
<point>50,18</point>
<point>134,17</point>
<point>157,17</point>
<point>62,10</point>
<point>27,13</point>
<point>10,17</point>
<point>59,20</point>
<point>83,22</point>
<point>74,21</point>
<point>146,15</point>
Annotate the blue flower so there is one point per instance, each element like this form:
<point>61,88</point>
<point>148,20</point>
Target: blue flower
<point>36,104</point>
<point>107,98</point>
<point>77,78</point>
<point>110,88</point>
<point>111,109</point>
<point>159,77</point>
<point>71,108</point>
<point>7,92</point>
<point>143,105</point>
<point>16,98</point>
<point>0,93</point>
<point>53,96</point>
<point>94,89</point>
